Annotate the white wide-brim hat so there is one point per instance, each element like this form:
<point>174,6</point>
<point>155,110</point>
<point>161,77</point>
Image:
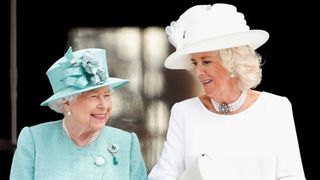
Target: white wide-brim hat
<point>208,28</point>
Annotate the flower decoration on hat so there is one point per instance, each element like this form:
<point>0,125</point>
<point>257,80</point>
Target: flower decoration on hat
<point>175,33</point>
<point>84,70</point>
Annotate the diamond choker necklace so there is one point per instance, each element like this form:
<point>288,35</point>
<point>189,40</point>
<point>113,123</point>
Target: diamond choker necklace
<point>226,108</point>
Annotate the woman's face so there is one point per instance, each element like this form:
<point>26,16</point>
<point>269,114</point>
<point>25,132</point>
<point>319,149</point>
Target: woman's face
<point>92,108</point>
<point>208,69</point>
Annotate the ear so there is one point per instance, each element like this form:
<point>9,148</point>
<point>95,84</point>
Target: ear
<point>66,106</point>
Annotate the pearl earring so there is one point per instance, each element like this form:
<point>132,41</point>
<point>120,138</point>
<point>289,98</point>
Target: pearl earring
<point>69,113</point>
<point>231,75</point>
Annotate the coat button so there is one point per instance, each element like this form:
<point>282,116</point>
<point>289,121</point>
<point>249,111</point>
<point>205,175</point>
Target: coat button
<point>99,161</point>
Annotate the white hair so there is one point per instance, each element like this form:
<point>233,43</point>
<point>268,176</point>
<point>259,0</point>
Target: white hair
<point>57,105</point>
<point>244,63</point>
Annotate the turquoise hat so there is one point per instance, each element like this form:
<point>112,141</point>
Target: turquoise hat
<point>80,71</point>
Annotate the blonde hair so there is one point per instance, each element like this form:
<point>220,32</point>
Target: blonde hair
<point>244,63</point>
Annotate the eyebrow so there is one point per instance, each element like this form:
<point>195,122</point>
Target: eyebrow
<point>203,57</point>
<point>95,92</point>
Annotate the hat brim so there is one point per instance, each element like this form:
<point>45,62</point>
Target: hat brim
<point>180,59</point>
<point>115,83</point>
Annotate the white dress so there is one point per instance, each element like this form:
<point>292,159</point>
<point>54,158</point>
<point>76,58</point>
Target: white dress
<point>259,143</point>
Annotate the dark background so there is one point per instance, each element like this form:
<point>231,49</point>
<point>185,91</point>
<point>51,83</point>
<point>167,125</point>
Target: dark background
<point>42,28</point>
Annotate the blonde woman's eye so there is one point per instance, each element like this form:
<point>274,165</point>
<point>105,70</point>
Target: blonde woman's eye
<point>206,62</point>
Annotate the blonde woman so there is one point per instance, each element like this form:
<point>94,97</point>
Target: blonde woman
<point>246,134</point>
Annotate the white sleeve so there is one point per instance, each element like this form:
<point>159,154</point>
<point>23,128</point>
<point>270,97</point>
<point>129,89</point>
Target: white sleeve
<point>171,162</point>
<point>289,165</point>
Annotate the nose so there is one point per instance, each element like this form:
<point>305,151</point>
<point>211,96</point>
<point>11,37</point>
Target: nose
<point>104,103</point>
<point>100,106</point>
<point>199,69</point>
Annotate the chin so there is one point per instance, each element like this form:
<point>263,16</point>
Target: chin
<point>208,93</point>
<point>98,123</point>
<point>99,126</point>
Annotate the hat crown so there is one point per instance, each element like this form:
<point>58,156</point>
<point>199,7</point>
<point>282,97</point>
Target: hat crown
<point>209,28</point>
<point>80,69</point>
<point>202,22</point>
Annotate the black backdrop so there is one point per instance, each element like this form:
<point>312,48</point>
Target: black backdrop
<point>42,28</point>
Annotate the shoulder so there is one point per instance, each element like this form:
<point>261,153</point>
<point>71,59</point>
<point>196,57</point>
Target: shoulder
<point>40,133</point>
<point>118,134</point>
<point>47,127</point>
<point>275,99</point>
<point>275,103</point>
<point>116,131</point>
<point>186,104</point>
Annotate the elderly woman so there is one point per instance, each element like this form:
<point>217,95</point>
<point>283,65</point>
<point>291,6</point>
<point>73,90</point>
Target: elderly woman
<point>79,146</point>
<point>244,134</point>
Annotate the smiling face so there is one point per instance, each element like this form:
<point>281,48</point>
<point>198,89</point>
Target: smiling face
<point>214,78</point>
<point>91,110</point>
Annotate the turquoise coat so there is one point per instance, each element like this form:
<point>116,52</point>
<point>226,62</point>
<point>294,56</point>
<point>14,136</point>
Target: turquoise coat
<point>44,152</point>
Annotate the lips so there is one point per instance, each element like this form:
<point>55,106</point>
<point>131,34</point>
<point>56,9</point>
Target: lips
<point>99,116</point>
<point>205,82</point>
